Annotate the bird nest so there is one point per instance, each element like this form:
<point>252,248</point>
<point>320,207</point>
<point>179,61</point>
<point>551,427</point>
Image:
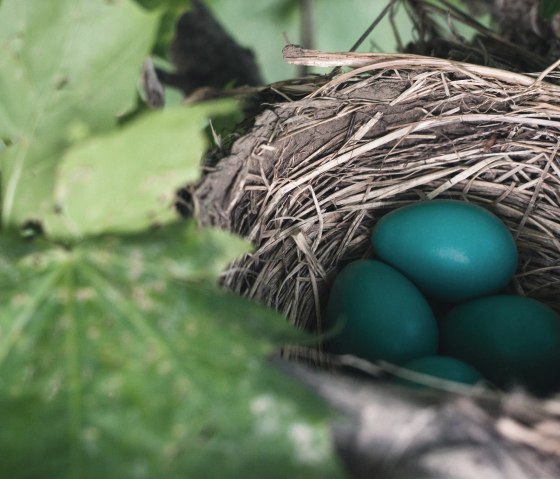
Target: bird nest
<point>309,181</point>
<point>316,171</point>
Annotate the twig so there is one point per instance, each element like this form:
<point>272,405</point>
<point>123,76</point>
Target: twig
<point>370,61</point>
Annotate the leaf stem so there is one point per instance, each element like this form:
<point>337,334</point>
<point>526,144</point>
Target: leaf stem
<point>73,363</point>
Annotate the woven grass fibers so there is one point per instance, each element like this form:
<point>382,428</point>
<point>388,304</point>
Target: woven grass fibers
<point>310,180</point>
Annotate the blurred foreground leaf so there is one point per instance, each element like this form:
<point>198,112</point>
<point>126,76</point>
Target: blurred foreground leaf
<point>69,68</point>
<point>119,359</point>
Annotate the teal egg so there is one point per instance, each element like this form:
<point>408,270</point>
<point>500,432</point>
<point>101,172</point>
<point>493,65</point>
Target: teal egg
<point>452,250</point>
<point>377,313</point>
<point>509,339</point>
<point>443,367</point>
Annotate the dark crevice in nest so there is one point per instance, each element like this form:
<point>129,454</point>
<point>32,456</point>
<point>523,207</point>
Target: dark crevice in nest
<point>520,41</point>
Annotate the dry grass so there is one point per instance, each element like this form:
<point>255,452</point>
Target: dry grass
<point>314,176</point>
<point>309,181</point>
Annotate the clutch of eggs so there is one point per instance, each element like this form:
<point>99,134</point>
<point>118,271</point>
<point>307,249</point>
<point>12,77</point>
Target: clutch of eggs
<point>455,252</point>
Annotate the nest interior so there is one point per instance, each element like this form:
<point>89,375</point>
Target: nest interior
<point>312,177</point>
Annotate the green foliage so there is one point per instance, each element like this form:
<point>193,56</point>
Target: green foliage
<point>170,10</point>
<point>163,4</point>
<point>338,24</point>
<point>119,355</point>
<point>61,73</point>
<point>549,8</point>
<point>156,155</point>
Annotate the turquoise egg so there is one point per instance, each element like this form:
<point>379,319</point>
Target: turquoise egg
<point>442,367</point>
<point>509,339</point>
<point>452,250</point>
<point>376,313</point>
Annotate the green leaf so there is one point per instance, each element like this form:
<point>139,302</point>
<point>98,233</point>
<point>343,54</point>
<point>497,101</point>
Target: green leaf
<point>171,11</point>
<point>549,8</point>
<point>167,4</point>
<point>120,359</point>
<point>126,181</point>
<point>69,68</point>
<point>265,29</point>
